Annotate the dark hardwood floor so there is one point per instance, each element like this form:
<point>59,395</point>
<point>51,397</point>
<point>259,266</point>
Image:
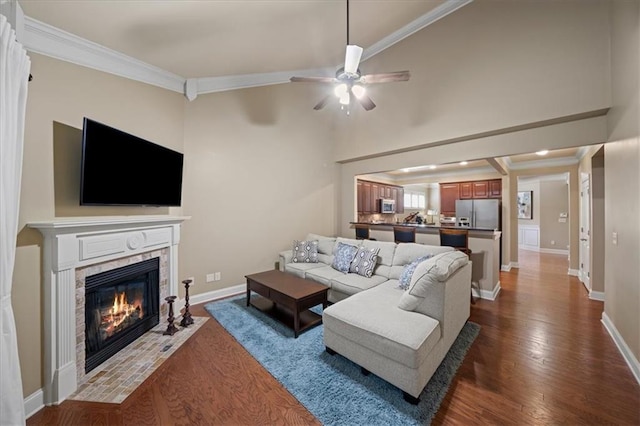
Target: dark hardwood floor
<point>542,357</point>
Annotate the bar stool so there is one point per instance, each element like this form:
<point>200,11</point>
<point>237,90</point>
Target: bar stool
<point>404,234</point>
<point>459,240</point>
<point>362,232</point>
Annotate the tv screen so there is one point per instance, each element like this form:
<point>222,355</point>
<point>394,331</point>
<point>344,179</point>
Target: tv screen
<point>122,169</point>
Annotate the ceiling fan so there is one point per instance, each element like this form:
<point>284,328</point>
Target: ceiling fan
<point>349,82</point>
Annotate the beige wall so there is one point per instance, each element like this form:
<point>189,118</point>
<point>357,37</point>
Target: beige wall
<point>60,95</point>
<point>490,65</point>
<point>258,174</point>
<point>622,180</point>
<point>554,234</point>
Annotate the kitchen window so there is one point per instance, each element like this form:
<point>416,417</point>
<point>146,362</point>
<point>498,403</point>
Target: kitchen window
<point>414,200</point>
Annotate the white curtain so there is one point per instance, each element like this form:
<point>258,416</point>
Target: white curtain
<point>14,75</point>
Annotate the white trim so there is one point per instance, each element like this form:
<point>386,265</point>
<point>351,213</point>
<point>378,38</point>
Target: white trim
<point>217,294</point>
<point>50,41</point>
<point>515,265</point>
<point>486,294</point>
<point>33,403</point>
<point>551,162</point>
<point>631,360</point>
<point>573,272</point>
<point>596,295</point>
<point>505,268</point>
<point>449,6</point>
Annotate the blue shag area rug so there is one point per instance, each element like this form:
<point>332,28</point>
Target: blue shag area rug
<point>332,388</point>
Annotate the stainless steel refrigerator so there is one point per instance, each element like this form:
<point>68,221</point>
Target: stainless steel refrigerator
<point>478,213</point>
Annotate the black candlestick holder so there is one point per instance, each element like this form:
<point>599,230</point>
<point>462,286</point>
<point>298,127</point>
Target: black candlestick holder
<point>171,328</point>
<point>186,316</point>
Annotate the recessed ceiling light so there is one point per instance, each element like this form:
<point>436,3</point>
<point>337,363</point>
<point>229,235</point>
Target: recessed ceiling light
<point>405,170</point>
<point>543,152</point>
<point>432,167</point>
<point>463,163</point>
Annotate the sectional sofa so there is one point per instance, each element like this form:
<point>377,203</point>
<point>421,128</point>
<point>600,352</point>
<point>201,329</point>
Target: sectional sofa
<point>399,334</point>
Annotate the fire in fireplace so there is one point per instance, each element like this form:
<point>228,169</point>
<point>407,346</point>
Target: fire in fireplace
<point>120,306</point>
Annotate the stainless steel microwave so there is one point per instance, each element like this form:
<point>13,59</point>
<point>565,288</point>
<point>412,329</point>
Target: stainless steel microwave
<point>387,206</point>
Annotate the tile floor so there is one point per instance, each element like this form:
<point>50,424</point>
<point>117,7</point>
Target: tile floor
<point>116,378</point>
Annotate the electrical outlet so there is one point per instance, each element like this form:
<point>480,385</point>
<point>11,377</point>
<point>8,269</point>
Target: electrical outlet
<point>553,243</point>
<point>614,238</point>
<point>217,276</point>
<point>211,277</point>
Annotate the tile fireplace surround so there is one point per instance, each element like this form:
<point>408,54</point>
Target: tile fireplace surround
<point>74,245</point>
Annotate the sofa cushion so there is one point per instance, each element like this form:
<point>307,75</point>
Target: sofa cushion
<point>428,274</point>
<point>325,244</point>
<point>405,279</point>
<point>364,261</point>
<point>305,251</point>
<point>373,320</point>
<point>342,257</point>
<point>300,269</point>
<point>386,250</point>
<point>323,275</point>
<point>407,252</point>
<point>354,283</point>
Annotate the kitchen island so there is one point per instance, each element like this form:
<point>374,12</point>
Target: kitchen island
<point>484,244</point>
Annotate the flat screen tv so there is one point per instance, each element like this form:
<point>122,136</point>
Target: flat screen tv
<point>124,170</point>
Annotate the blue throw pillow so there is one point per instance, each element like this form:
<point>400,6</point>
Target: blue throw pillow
<point>342,257</point>
<point>407,272</point>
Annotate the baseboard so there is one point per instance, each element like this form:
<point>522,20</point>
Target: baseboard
<point>515,265</point>
<point>631,360</point>
<point>486,294</point>
<point>33,403</point>
<point>596,295</point>
<point>217,294</point>
<point>573,272</point>
<point>505,268</point>
<point>544,250</point>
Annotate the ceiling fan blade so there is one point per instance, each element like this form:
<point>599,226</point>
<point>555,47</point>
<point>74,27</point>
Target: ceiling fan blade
<point>322,103</point>
<point>388,77</point>
<point>366,102</point>
<point>313,79</point>
<point>352,59</point>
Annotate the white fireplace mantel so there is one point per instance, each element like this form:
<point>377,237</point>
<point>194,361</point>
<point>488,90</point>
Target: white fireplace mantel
<point>71,243</point>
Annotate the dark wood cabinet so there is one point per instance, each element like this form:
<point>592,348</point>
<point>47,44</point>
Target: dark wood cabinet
<point>369,195</point>
<point>480,189</point>
<point>466,190</point>
<point>449,193</point>
<point>495,188</point>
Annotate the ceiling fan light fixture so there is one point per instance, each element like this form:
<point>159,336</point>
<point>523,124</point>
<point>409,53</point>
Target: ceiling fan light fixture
<point>340,90</point>
<point>358,91</point>
<point>352,60</point>
<point>345,99</point>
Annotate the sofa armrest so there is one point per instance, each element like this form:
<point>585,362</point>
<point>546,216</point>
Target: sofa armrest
<point>285,257</point>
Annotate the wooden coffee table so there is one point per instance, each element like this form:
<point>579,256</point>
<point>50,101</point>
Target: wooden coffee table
<point>287,298</point>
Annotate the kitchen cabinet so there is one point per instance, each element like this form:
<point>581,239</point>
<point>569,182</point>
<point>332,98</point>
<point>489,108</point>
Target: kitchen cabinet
<point>466,190</point>
<point>449,193</point>
<point>495,188</point>
<point>369,193</point>
<point>480,189</point>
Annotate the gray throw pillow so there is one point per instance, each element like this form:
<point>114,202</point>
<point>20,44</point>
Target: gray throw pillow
<point>407,272</point>
<point>364,261</point>
<point>305,251</point>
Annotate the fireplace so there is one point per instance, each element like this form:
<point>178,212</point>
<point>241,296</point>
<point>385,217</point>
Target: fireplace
<point>120,306</point>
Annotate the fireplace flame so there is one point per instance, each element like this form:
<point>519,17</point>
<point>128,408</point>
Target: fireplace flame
<point>122,310</point>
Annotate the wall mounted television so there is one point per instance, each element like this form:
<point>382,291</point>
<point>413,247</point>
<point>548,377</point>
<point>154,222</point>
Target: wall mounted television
<point>121,169</point>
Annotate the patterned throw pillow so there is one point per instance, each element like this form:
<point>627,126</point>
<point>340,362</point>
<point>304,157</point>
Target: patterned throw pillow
<point>407,272</point>
<point>342,257</point>
<point>305,251</point>
<point>364,261</point>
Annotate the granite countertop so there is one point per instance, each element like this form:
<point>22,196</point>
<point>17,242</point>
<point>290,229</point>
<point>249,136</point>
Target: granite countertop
<point>420,226</point>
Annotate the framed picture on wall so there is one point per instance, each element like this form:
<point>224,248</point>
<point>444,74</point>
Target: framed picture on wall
<point>525,204</point>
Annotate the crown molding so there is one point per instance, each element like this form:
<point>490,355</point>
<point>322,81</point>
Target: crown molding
<point>53,42</point>
<point>449,6</point>
<point>50,41</point>
<point>551,162</point>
